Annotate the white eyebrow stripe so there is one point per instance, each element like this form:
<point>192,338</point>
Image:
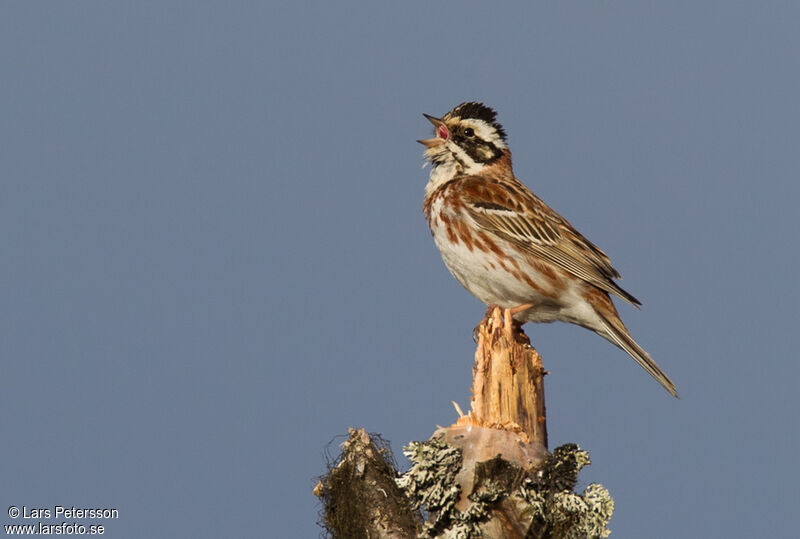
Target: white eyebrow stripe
<point>485,131</point>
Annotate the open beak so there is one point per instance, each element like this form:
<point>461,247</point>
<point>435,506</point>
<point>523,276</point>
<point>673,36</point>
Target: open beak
<point>432,119</point>
<point>441,131</point>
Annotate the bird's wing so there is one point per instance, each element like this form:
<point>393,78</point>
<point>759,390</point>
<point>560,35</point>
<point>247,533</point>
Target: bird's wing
<point>510,210</point>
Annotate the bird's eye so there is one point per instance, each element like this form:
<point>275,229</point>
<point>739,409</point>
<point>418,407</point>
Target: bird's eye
<point>469,132</point>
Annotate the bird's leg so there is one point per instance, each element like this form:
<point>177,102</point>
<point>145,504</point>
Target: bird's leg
<point>514,326</point>
<point>520,308</point>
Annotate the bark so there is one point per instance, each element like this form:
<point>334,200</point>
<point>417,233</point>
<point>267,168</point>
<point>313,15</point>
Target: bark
<point>361,496</point>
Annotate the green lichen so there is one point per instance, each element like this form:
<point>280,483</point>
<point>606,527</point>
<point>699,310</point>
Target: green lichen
<point>560,512</point>
<point>545,501</point>
<point>431,484</point>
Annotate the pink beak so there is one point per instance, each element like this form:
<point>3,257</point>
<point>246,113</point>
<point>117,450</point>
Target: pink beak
<point>441,131</point>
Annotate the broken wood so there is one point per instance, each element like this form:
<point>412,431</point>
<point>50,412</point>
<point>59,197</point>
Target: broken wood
<point>487,475</point>
<point>508,382</point>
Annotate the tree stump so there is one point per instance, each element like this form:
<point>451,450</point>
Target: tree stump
<point>507,416</point>
<point>488,475</point>
<point>508,382</point>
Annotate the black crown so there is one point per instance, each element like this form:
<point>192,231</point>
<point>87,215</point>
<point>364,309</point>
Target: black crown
<point>478,111</point>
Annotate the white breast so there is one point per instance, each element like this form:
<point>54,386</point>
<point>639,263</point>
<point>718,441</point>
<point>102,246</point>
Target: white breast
<point>480,271</point>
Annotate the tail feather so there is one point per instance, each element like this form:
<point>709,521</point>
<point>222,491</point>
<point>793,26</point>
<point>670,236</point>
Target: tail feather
<point>624,294</point>
<point>615,332</point>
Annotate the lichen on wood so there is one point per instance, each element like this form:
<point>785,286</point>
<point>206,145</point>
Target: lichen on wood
<point>364,496</point>
<point>504,501</point>
<point>558,511</point>
<point>489,475</point>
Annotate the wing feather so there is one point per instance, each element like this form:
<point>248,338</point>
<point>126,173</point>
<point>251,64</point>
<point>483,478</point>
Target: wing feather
<point>519,216</point>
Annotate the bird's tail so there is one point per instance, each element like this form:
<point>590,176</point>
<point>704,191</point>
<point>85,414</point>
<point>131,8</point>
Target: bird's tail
<point>615,331</point>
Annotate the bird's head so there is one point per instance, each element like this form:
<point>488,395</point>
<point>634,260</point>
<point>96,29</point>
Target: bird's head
<point>467,138</point>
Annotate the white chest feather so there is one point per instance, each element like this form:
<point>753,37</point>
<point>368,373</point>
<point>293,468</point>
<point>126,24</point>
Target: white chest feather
<point>490,278</point>
<point>440,175</point>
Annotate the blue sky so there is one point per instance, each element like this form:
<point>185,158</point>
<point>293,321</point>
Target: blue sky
<point>215,260</point>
